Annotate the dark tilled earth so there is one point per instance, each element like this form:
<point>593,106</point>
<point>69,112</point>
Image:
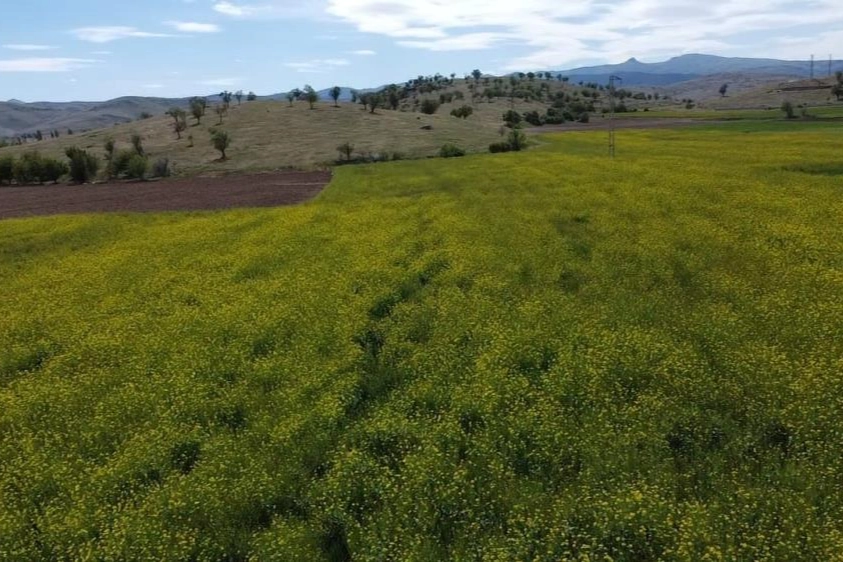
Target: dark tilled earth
<point>190,194</point>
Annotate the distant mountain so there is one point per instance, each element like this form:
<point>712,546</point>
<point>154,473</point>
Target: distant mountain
<point>18,118</point>
<point>695,65</point>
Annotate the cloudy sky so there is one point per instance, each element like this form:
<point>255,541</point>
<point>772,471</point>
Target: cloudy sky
<point>59,50</point>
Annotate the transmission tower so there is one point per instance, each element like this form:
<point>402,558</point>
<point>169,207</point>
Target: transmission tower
<point>612,80</point>
<point>812,67</point>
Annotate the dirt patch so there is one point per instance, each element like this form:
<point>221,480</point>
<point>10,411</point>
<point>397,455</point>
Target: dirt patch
<point>189,194</point>
<point>603,124</point>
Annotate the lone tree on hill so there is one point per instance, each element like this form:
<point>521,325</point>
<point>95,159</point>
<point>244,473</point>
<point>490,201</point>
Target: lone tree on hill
<point>197,108</point>
<point>239,96</point>
<point>336,92</point>
<point>252,96</point>
<point>180,119</point>
<point>226,96</point>
<point>220,110</point>
<point>221,141</point>
<point>723,89</point>
<point>476,74</point>
<point>137,144</point>
<point>310,95</point>
<point>787,108</point>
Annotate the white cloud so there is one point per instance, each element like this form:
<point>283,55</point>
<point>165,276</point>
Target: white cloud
<point>363,53</point>
<point>194,27</point>
<point>107,34</point>
<point>558,32</point>
<point>224,82</point>
<point>271,8</point>
<point>316,66</point>
<point>28,47</point>
<point>44,64</point>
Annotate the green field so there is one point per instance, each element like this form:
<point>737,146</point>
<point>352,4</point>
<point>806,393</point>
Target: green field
<point>528,356</point>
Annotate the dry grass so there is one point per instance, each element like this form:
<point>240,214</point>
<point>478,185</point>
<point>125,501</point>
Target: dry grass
<point>272,135</point>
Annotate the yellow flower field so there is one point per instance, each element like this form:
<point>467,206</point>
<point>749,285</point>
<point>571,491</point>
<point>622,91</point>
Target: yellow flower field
<point>528,356</point>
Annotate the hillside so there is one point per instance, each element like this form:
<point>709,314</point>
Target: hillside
<point>271,134</point>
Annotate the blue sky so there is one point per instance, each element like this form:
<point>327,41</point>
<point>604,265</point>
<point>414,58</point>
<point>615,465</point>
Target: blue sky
<point>57,50</point>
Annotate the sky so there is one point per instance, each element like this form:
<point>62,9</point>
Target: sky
<point>61,50</point>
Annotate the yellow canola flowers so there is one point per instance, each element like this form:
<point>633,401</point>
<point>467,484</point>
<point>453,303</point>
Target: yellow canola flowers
<point>539,356</point>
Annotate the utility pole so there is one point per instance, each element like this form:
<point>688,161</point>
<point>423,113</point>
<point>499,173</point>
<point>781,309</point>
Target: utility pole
<point>612,80</point>
<point>829,66</point>
<point>812,67</point>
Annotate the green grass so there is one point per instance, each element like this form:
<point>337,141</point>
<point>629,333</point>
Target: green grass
<point>535,356</point>
<point>831,112</point>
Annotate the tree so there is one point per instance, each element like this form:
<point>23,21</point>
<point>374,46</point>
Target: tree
<point>239,96</point>
<point>197,109</point>
<point>354,96</point>
<point>310,95</point>
<point>83,166</point>
<point>220,110</point>
<point>476,74</point>
<point>7,167</point>
<point>837,90</point>
<point>293,95</point>
<point>787,109</point>
<point>109,146</point>
<point>336,92</point>
<point>252,96</point>
<point>226,96</point>
<point>512,118</point>
<point>28,169</point>
<point>372,100</point>
<point>517,140</point>
<point>723,90</point>
<point>221,141</point>
<point>346,149</point>
<point>137,144</point>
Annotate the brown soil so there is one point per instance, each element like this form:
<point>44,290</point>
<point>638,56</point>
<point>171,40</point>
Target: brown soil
<point>200,193</point>
<point>599,124</point>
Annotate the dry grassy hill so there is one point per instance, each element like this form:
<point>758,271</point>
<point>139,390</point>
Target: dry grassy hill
<point>271,135</point>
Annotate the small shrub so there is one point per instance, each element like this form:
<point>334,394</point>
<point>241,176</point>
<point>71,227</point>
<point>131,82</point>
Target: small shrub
<point>429,106</point>
<point>119,163</point>
<point>497,147</point>
<point>584,118</point>
<point>137,144</point>
<point>451,151</point>
<point>161,168</point>
<point>83,166</point>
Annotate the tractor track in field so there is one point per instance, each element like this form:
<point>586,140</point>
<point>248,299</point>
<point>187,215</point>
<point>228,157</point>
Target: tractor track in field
<point>178,194</point>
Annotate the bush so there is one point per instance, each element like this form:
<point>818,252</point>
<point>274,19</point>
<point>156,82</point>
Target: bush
<point>499,147</point>
<point>7,169</point>
<point>27,170</point>
<point>137,167</point>
<point>533,118</point>
<point>346,149</point>
<point>451,151</point>
<point>52,170</point>
<point>221,141</point>
<point>161,168</point>
<point>119,163</point>
<point>512,118</point>
<point>429,106</point>
<point>83,166</point>
<point>463,112</point>
<point>584,118</point>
